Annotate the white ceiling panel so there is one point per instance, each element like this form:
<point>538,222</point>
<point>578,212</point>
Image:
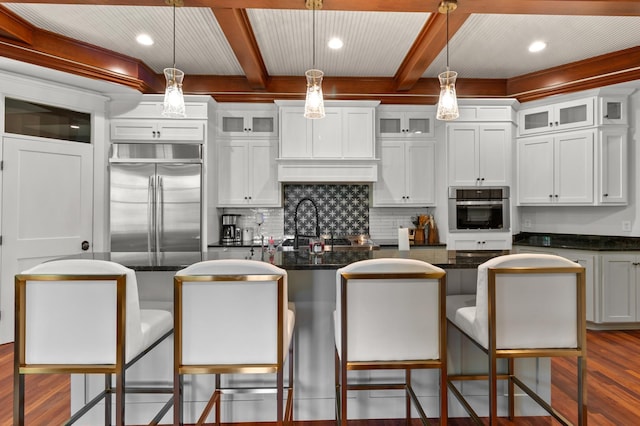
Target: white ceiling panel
<point>495,46</point>
<point>375,43</point>
<point>201,47</point>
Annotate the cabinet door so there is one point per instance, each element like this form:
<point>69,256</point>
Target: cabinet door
<point>587,261</point>
<point>390,124</point>
<point>264,188</point>
<point>247,123</point>
<point>498,241</point>
<point>535,170</point>
<point>612,170</point>
<point>232,173</point>
<point>357,134</point>
<point>390,189</point>
<point>180,130</point>
<point>295,133</point>
<point>619,288</point>
<point>569,115</point>
<point>494,154</point>
<point>463,146</point>
<point>535,120</point>
<point>574,168</point>
<point>613,110</point>
<point>133,130</point>
<point>419,124</point>
<point>420,173</point>
<point>327,135</point>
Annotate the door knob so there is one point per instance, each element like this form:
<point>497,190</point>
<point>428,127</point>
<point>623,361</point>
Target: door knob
<point>85,245</point>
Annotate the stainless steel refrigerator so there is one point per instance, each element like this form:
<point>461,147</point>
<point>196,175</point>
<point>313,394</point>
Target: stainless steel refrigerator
<point>155,197</point>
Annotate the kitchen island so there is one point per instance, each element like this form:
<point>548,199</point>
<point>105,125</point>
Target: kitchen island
<point>312,287</point>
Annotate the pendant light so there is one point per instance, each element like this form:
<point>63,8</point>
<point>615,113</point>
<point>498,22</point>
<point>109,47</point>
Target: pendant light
<point>447,103</point>
<point>314,101</point>
<point>173,96</point>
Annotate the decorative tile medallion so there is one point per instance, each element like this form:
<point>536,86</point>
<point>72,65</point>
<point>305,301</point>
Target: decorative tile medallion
<point>342,209</point>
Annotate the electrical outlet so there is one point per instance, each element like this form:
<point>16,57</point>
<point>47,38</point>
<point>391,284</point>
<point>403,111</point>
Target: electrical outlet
<point>626,225</point>
<point>527,223</point>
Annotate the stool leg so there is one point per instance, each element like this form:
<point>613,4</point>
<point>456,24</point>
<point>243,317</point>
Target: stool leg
<point>493,389</point>
<point>120,398</point>
<point>107,399</point>
<point>18,399</point>
<point>407,380</point>
<point>177,399</point>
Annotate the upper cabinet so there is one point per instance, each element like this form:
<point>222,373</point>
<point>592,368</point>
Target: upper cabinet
<point>405,121</point>
<point>257,122</point>
<point>346,132</point>
<point>574,152</point>
<point>144,122</point>
<point>556,117</point>
<point>157,130</point>
<point>479,154</point>
<point>407,174</point>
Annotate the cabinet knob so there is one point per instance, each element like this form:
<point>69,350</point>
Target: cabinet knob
<point>550,124</point>
<point>481,178</point>
<point>557,123</point>
<point>550,195</point>
<point>249,196</point>
<point>153,133</point>
<point>605,195</point>
<point>245,197</point>
<point>556,195</point>
<point>635,263</point>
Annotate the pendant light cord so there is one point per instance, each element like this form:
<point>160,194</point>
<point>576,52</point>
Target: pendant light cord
<point>313,40</point>
<point>447,39</point>
<point>174,35</point>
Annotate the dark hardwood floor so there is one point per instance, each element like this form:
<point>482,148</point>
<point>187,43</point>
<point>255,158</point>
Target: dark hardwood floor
<point>613,388</point>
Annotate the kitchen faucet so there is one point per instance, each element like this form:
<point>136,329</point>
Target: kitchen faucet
<point>295,222</point>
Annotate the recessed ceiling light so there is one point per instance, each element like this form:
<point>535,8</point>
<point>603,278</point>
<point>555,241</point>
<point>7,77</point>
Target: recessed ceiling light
<point>537,46</point>
<point>335,43</point>
<point>144,39</point>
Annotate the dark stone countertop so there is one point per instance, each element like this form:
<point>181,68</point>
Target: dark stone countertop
<point>577,241</point>
<point>300,260</point>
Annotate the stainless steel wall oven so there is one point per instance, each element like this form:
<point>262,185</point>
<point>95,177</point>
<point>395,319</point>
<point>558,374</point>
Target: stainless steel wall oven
<point>479,209</point>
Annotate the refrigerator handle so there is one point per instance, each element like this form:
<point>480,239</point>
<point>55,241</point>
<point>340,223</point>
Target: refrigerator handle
<point>150,212</point>
<point>159,211</point>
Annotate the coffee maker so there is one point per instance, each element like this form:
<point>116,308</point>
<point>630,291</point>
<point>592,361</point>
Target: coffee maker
<point>229,229</point>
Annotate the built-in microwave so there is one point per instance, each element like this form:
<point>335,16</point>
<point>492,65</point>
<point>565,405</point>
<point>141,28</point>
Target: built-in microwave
<point>479,208</point>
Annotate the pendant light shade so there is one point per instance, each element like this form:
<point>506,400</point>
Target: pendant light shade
<point>448,101</point>
<point>314,101</point>
<point>173,96</point>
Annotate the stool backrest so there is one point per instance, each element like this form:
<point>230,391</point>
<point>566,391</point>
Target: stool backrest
<point>390,316</point>
<point>70,318</point>
<point>539,301</point>
<point>227,312</point>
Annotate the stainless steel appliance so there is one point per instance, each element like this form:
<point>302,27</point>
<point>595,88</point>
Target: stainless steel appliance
<point>155,197</point>
<point>479,209</point>
<point>229,231</point>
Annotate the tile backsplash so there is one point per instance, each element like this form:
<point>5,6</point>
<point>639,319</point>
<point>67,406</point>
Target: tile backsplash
<point>342,209</point>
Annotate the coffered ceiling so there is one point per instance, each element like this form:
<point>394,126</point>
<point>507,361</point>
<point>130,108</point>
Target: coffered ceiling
<point>258,50</point>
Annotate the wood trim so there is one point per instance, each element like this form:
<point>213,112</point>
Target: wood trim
<point>14,27</point>
<point>237,29</point>
<point>429,43</point>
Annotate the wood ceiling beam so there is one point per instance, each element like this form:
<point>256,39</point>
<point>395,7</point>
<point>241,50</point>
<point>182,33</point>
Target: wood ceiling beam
<point>429,43</point>
<point>14,27</point>
<point>237,29</point>
<point>536,7</point>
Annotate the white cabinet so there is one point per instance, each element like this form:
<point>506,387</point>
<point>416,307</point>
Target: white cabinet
<point>344,133</point>
<point>555,117</point>
<point>479,154</point>
<point>395,122</point>
<point>556,169</point>
<point>247,174</point>
<point>407,174</point>
<point>248,123</point>
<point>157,130</point>
<point>613,110</point>
<point>612,166</point>
<point>586,259</point>
<point>479,241</point>
<point>619,293</point>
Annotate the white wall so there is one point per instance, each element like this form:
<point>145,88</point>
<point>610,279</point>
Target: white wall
<point>594,220</point>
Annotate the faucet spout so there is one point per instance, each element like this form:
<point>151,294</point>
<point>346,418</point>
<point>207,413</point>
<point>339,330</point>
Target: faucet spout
<point>295,221</point>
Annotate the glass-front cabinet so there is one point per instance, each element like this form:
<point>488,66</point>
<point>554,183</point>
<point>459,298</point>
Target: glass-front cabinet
<point>394,122</point>
<point>248,123</point>
<point>560,116</point>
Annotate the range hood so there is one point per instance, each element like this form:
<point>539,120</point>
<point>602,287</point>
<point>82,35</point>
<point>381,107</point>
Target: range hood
<point>320,171</point>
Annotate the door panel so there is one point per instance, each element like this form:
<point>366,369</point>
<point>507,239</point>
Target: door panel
<point>179,207</point>
<point>132,206</point>
<point>47,208</point>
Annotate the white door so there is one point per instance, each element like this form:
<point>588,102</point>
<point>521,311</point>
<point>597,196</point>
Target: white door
<point>463,154</point>
<point>574,168</point>
<point>47,209</point>
<point>535,170</point>
<point>494,152</point>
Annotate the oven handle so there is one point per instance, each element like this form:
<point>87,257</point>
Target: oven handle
<point>480,203</point>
